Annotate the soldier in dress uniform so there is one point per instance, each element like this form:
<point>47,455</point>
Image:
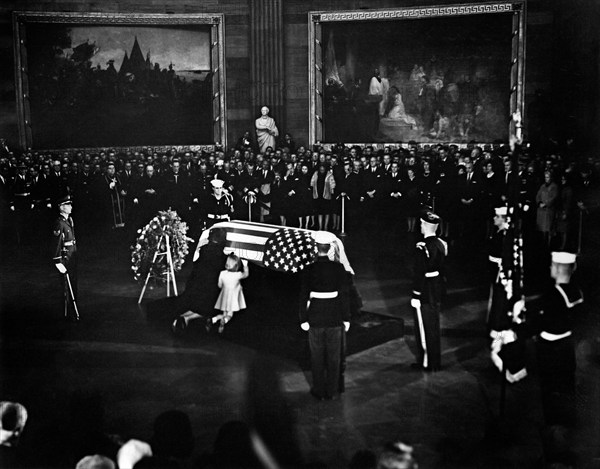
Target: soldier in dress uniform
<point>428,285</point>
<point>65,255</point>
<point>551,321</point>
<point>22,202</point>
<point>500,262</point>
<point>219,205</point>
<point>325,314</point>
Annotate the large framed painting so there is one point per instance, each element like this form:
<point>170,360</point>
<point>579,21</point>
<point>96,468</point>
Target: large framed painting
<point>96,80</point>
<point>451,73</point>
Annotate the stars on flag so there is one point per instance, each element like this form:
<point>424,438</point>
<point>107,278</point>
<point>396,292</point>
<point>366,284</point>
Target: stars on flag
<point>289,250</point>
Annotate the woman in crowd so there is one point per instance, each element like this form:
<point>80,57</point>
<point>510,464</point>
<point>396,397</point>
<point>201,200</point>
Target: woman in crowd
<point>304,194</point>
<point>546,200</point>
<point>412,199</point>
<point>567,211</point>
<point>279,199</point>
<point>323,187</point>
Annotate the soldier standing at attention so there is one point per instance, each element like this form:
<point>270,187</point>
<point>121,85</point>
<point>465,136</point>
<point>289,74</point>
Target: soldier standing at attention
<point>325,315</point>
<point>500,262</point>
<point>65,255</point>
<point>427,294</point>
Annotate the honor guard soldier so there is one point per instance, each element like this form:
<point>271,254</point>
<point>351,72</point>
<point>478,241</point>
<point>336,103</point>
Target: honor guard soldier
<point>552,323</point>
<point>325,315</point>
<point>219,204</point>
<point>65,255</point>
<point>22,202</point>
<point>427,293</point>
<point>500,262</point>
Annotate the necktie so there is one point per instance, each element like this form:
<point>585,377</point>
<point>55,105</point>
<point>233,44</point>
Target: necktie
<point>176,179</point>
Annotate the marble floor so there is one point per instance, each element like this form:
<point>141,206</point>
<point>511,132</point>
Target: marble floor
<point>135,370</point>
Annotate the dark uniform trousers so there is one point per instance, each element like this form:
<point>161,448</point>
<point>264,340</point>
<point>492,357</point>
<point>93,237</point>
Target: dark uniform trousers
<point>325,350</point>
<point>431,308</point>
<point>326,317</point>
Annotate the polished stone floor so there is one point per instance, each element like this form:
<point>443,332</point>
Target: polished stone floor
<point>135,370</point>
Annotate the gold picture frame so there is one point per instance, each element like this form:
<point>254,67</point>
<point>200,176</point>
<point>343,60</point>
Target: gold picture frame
<point>70,96</point>
<point>360,34</point>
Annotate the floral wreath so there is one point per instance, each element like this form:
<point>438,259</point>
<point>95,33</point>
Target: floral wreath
<point>143,251</point>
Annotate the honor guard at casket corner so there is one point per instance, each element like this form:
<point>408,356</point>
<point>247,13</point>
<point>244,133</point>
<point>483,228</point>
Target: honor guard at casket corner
<point>428,287</point>
<point>65,256</point>
<point>325,315</point>
<point>551,322</point>
<point>219,204</point>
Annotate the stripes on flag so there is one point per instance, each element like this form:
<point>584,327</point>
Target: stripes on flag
<point>275,247</point>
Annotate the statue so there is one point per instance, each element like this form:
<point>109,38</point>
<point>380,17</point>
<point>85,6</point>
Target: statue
<point>266,130</point>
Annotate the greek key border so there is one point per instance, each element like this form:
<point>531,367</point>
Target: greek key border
<point>117,18</point>
<point>419,12</point>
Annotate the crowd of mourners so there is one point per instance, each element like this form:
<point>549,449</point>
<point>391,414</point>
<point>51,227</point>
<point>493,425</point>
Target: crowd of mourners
<point>375,186</point>
<point>341,188</point>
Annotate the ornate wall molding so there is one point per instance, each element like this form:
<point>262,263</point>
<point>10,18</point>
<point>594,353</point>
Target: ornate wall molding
<point>117,18</point>
<point>422,12</point>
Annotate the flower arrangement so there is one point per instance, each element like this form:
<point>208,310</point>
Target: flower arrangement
<point>147,243</point>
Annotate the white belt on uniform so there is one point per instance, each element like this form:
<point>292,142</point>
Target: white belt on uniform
<point>496,260</point>
<point>432,274</point>
<point>69,243</point>
<point>553,337</point>
<point>218,217</point>
<point>323,295</point>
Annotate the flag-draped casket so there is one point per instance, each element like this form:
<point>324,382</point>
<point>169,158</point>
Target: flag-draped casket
<point>279,248</point>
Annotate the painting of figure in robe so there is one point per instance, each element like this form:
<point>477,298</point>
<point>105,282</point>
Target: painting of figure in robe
<point>432,79</point>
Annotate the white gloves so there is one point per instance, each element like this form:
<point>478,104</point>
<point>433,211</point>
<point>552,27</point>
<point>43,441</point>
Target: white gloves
<point>61,268</point>
<point>346,326</point>
<point>415,303</point>
<point>305,326</point>
<point>112,185</point>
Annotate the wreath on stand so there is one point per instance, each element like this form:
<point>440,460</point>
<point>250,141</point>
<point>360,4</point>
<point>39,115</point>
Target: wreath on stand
<point>147,244</point>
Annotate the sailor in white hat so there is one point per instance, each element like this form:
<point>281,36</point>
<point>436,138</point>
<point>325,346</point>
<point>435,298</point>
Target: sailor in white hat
<point>219,204</point>
<point>552,322</point>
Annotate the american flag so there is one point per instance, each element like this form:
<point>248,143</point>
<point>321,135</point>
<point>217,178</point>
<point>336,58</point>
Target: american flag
<point>275,247</point>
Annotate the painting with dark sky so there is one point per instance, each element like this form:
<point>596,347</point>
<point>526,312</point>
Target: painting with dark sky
<point>437,80</point>
<point>114,86</point>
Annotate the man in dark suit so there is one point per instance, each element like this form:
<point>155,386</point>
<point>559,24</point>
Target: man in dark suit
<point>325,315</point>
<point>372,180</point>
<point>58,182</point>
<point>148,196</point>
<point>178,191</point>
<point>469,189</point>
